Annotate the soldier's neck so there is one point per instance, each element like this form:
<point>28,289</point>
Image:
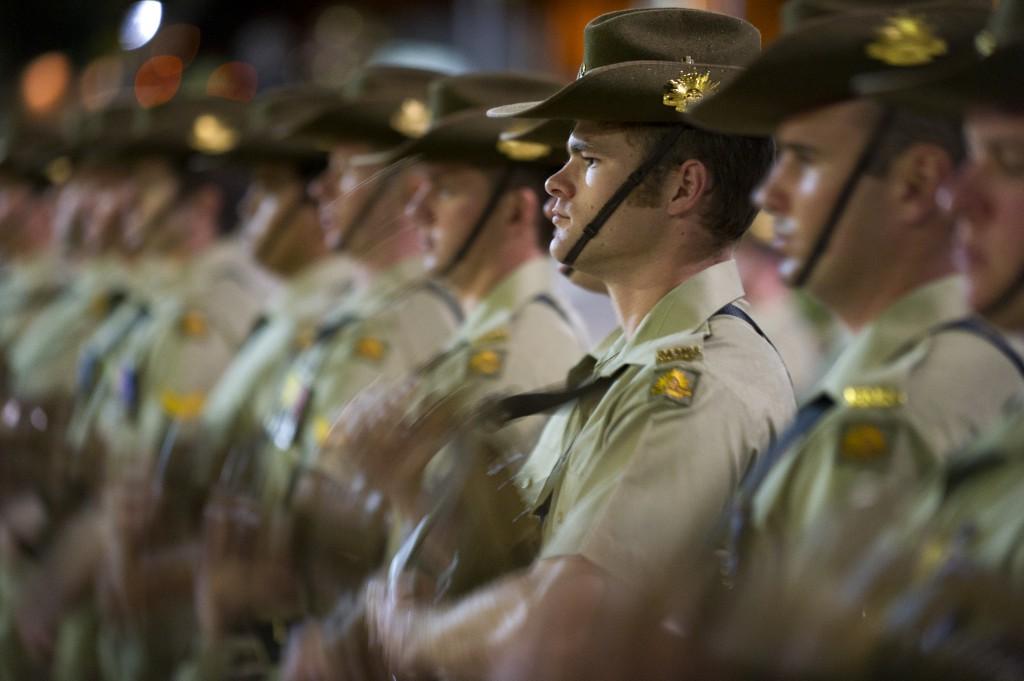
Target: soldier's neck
<point>634,293</point>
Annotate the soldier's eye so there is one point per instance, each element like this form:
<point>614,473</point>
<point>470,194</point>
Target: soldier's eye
<point>589,160</point>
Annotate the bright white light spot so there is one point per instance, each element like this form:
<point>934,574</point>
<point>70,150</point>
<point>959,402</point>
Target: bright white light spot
<point>141,23</point>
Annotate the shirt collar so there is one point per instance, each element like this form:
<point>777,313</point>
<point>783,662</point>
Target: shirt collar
<point>513,292</point>
<point>683,310</point>
<point>388,283</point>
<point>902,324</point>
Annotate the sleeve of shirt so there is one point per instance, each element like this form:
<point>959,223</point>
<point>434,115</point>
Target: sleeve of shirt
<point>668,475</point>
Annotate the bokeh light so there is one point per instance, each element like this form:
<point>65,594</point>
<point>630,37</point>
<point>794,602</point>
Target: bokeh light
<point>235,80</point>
<point>100,82</point>
<point>213,136</point>
<point>158,80</point>
<point>45,81</point>
<point>141,22</point>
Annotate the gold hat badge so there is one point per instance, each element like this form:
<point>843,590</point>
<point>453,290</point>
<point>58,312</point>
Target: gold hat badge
<point>906,40</point>
<point>521,150</point>
<point>412,118</point>
<point>212,135</point>
<point>985,42</point>
<point>688,88</point>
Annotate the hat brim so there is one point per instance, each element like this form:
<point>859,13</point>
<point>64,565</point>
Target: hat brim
<point>358,121</point>
<point>627,92</point>
<point>467,136</point>
<point>815,67</point>
<point>996,81</point>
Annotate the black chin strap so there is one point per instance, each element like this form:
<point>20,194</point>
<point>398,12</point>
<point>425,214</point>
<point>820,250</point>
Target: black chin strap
<point>363,216</point>
<point>661,150</point>
<point>867,156</point>
<point>1009,294</point>
<point>500,185</point>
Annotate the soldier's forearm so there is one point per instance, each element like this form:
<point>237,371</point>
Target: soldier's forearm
<point>467,640</point>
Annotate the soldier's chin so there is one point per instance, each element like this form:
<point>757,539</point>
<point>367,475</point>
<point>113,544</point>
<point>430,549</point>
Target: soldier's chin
<point>1000,307</point>
<point>789,270</point>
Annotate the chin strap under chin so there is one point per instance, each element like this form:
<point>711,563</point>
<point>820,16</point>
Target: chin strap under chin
<point>1004,299</point>
<point>661,150</point>
<point>497,190</point>
<point>867,156</point>
<point>362,217</point>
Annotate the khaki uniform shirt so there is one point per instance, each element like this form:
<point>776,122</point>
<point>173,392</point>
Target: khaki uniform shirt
<point>974,508</point>
<point>904,395</point>
<point>164,370</point>
<point>634,477</point>
<point>248,387</point>
<point>381,333</point>
<point>26,289</point>
<point>522,336</point>
<point>42,359</point>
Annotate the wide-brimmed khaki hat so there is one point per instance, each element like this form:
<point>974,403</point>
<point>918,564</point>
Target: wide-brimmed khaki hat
<point>460,129</point>
<point>815,64</point>
<point>382,105</point>
<point>991,77</point>
<point>648,66</point>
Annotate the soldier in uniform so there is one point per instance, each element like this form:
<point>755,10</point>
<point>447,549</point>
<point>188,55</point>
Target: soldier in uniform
<point>970,511</point>
<point>395,319</point>
<point>852,195</point>
<point>665,414</point>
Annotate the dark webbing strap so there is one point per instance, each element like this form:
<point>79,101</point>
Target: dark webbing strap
<point>1006,297</point>
<point>661,150</point>
<point>497,191</point>
<point>868,155</point>
<point>363,216</point>
<point>981,329</point>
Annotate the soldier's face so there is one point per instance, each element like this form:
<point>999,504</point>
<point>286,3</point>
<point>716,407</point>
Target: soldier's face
<point>445,208</point>
<point>600,160</point>
<point>325,188</point>
<point>988,199</point>
<point>817,152</point>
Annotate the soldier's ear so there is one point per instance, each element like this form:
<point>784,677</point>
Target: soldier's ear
<point>915,179</point>
<point>524,209</point>
<point>687,185</point>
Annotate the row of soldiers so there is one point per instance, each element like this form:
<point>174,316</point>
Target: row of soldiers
<point>358,440</point>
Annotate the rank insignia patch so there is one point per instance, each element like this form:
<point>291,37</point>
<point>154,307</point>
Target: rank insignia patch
<point>681,353</point>
<point>864,443</point>
<point>486,362</point>
<point>193,324</point>
<point>873,397</point>
<point>676,385</point>
<point>371,348</point>
<point>182,407</point>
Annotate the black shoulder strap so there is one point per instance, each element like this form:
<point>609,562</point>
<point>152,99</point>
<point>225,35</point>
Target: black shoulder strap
<point>527,404</point>
<point>734,310</point>
<point>981,329</point>
<point>550,301</point>
<point>446,297</point>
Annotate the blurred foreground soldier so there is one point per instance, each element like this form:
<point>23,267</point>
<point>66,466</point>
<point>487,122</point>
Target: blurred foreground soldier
<point>973,510</point>
<point>669,410</point>
<point>480,213</point>
<point>852,193</point>
<point>394,321</point>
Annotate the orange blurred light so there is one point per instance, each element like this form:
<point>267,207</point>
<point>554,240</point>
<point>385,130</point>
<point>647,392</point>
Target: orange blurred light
<point>45,82</point>
<point>100,82</point>
<point>176,40</point>
<point>158,80</point>
<point>234,80</point>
